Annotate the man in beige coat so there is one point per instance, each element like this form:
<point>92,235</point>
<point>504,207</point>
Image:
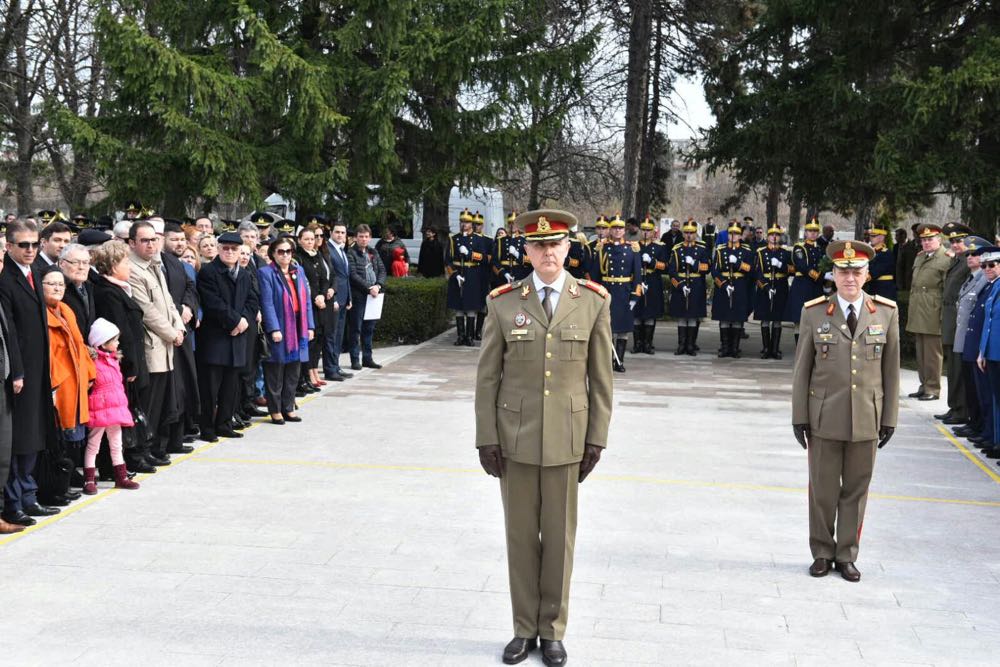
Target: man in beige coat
<point>924,316</point>
<point>164,331</point>
<point>543,406</point>
<point>845,401</point>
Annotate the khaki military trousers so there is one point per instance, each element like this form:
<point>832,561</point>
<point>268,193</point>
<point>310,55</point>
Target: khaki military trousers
<point>540,510</point>
<point>929,358</point>
<point>839,474</point>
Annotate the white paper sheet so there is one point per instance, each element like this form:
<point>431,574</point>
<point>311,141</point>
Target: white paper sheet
<point>373,306</point>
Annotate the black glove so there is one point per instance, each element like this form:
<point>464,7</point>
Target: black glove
<point>884,434</point>
<point>591,455</point>
<point>802,433</point>
<point>491,458</point>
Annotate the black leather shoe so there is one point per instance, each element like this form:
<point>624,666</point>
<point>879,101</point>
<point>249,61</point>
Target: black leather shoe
<point>355,366</point>
<point>208,437</point>
<point>158,461</point>
<point>946,415</point>
<point>964,431</point>
<point>181,449</point>
<point>976,439</point>
<point>39,510</point>
<point>142,466</point>
<point>848,572</point>
<point>553,653</point>
<point>72,495</point>
<point>300,392</point>
<point>819,568</point>
<point>518,649</point>
<point>254,411</point>
<point>345,375</point>
<point>277,422</point>
<point>189,439</point>
<point>370,363</point>
<point>229,433</point>
<point>56,501</point>
<point>291,418</point>
<point>917,394</point>
<point>334,378</point>
<point>953,421</point>
<point>992,453</point>
<point>928,397</point>
<point>20,518</point>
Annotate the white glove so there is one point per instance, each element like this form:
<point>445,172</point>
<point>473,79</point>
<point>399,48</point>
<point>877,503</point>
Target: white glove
<point>509,277</point>
<point>828,276</point>
<point>686,290</point>
<point>646,259</point>
<point>732,259</point>
<point>463,250</point>
<point>771,292</point>
<point>514,252</point>
<point>631,305</point>
<point>729,290</point>
<point>461,280</point>
<point>775,262</point>
<point>689,260</point>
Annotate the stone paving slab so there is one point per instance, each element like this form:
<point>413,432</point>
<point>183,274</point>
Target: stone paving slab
<point>367,535</point>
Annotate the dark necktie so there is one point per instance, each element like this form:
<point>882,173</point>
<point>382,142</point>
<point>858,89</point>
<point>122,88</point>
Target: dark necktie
<point>852,319</point>
<point>547,302</point>
<point>83,295</point>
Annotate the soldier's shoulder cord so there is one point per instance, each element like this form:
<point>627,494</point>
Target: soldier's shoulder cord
<point>884,301</point>
<point>594,287</point>
<point>503,289</point>
<point>815,302</point>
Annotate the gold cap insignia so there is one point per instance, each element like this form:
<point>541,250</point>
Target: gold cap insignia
<point>543,225</point>
<point>849,251</point>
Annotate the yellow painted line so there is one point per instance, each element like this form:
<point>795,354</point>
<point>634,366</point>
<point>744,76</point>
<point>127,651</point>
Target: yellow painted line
<point>736,486</point>
<point>969,455</point>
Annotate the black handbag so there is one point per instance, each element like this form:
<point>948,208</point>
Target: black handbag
<point>138,435</point>
<point>263,348</point>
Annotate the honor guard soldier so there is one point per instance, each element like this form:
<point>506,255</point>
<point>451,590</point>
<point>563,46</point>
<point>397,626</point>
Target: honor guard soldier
<point>808,281</point>
<point>601,228</point>
<point>133,209</point>
<point>689,267</point>
<point>478,222</point>
<point>731,270</point>
<point>617,267</point>
<point>882,268</point>
<point>845,401</point>
<point>653,256</point>
<point>578,259</point>
<point>543,406</point>
<point>509,261</point>
<point>464,257</point>
<point>772,265</point>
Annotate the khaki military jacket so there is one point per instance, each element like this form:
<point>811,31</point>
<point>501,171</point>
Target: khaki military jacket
<point>846,387</point>
<point>924,315</point>
<point>544,389</point>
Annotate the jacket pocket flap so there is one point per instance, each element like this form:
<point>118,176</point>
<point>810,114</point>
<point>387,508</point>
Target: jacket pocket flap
<point>579,402</point>
<point>511,403</point>
<point>575,334</point>
<point>872,339</point>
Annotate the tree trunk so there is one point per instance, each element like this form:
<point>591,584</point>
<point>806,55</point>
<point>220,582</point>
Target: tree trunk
<point>436,208</point>
<point>647,160</point>
<point>23,174</point>
<point>863,216</point>
<point>794,215</point>
<point>635,98</point>
<point>773,200</point>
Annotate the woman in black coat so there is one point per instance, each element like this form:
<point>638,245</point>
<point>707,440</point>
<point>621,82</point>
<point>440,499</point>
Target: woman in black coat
<point>431,263</point>
<point>310,257</point>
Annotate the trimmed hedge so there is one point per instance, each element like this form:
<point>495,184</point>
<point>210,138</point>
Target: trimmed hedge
<point>414,310</point>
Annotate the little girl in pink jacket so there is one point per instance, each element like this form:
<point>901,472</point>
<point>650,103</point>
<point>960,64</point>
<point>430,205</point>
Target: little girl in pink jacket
<point>108,408</point>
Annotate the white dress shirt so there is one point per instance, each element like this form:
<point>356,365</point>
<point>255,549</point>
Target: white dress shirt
<point>844,303</point>
<point>557,288</point>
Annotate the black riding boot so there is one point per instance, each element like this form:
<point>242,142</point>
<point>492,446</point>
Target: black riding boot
<point>692,340</point>
<point>459,330</point>
<point>682,340</point>
<point>480,320</point>
<point>737,337</point>
<point>776,343</point>
<point>470,330</point>
<point>638,337</point>
<point>620,345</point>
<point>723,341</point>
<point>765,340</point>
<point>650,330</point>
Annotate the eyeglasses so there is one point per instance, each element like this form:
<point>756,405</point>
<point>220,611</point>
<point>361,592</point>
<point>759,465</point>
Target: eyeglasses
<point>54,285</point>
<point>282,251</point>
<point>990,265</point>
<point>147,241</point>
<point>24,245</point>
<point>77,262</point>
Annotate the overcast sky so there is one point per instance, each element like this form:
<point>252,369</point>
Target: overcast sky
<point>688,101</point>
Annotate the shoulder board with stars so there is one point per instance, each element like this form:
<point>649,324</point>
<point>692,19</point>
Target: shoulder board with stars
<point>594,287</point>
<point>884,301</point>
<point>503,289</point>
<point>815,302</point>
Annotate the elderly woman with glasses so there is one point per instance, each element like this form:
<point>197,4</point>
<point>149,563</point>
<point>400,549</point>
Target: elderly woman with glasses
<point>286,306</point>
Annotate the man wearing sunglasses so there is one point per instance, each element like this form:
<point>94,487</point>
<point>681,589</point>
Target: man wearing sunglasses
<point>24,369</point>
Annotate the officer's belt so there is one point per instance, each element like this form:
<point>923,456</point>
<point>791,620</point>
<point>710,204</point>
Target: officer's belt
<point>768,277</point>
<point>650,272</point>
<point>727,276</point>
<point>466,265</point>
<point>690,275</point>
<point>508,262</point>
<point>616,279</point>
<point>889,277</point>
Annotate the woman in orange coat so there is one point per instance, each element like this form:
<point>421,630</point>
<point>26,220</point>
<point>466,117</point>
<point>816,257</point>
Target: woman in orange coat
<point>71,366</point>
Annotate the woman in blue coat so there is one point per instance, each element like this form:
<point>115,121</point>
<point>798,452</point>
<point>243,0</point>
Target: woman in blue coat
<point>287,318</point>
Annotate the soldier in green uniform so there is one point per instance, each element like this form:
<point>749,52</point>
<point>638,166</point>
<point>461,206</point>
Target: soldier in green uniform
<point>923,319</point>
<point>543,406</point>
<point>845,401</point>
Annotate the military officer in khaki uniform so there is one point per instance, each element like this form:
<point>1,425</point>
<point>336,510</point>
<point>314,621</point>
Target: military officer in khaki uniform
<point>924,316</point>
<point>845,401</point>
<point>543,405</point>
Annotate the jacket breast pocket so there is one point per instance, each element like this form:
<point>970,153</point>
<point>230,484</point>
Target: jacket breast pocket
<point>874,346</point>
<point>508,421</point>
<point>521,344</point>
<point>573,344</point>
<point>827,348</point>
<point>580,414</point>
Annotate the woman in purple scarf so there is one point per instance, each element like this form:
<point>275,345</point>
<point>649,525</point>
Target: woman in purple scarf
<point>285,305</point>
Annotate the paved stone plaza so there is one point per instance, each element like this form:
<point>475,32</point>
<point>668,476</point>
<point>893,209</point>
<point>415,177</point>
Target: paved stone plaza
<point>368,535</point>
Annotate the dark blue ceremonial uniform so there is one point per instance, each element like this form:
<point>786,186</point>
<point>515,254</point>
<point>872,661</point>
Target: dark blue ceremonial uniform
<point>690,273</point>
<point>732,267</point>
<point>772,283</point>
<point>653,258</point>
<point>471,296</point>
<point>882,269</point>
<point>970,351</point>
<point>617,267</point>
<point>509,257</point>
<point>578,259</point>
<point>808,281</point>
